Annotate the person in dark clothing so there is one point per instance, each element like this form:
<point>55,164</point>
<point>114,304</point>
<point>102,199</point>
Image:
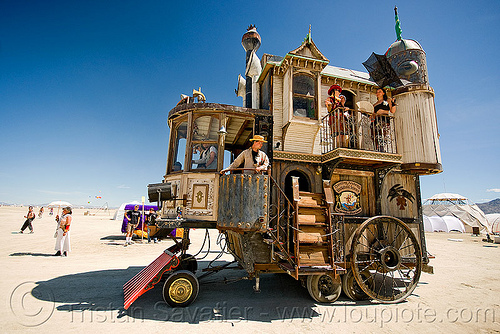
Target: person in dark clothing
<point>29,218</point>
<point>133,217</point>
<point>151,222</point>
<point>381,122</point>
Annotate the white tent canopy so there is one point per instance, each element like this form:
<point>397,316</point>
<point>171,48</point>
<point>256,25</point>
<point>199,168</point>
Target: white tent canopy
<point>121,210</point>
<point>443,224</point>
<point>455,205</point>
<point>494,220</point>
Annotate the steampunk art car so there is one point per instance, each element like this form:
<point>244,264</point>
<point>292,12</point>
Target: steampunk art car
<point>339,215</point>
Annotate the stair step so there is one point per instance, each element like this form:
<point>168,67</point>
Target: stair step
<point>311,219</point>
<point>323,225</point>
<point>306,201</point>
<point>311,195</point>
<point>312,234</point>
<point>310,199</point>
<point>314,257</point>
<point>317,211</point>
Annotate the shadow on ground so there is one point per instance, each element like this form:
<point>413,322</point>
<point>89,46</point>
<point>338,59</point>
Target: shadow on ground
<point>281,297</point>
<point>31,254</point>
<point>114,237</point>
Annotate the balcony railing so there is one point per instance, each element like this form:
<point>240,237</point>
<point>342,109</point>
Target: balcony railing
<point>347,128</point>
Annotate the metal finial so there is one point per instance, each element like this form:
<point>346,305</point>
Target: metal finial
<point>398,24</point>
<point>308,38</point>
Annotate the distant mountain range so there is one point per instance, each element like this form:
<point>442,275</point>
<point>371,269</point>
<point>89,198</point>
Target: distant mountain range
<point>490,207</point>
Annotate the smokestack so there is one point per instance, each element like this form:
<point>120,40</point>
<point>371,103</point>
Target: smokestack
<point>251,43</point>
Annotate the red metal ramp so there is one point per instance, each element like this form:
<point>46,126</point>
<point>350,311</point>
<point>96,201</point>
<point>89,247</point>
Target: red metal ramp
<point>147,278</point>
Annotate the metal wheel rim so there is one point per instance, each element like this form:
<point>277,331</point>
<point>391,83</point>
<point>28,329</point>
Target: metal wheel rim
<point>323,288</point>
<point>388,250</point>
<point>351,287</point>
<point>181,290</point>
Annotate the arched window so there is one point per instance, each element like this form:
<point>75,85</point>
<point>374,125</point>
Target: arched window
<point>304,96</point>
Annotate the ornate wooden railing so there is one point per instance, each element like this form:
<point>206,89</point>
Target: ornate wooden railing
<point>348,128</point>
<point>281,217</point>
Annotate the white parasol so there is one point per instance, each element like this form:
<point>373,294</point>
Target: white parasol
<point>58,205</point>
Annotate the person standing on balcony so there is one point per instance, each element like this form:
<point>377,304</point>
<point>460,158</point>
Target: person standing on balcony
<point>253,157</point>
<point>338,118</point>
<point>381,122</point>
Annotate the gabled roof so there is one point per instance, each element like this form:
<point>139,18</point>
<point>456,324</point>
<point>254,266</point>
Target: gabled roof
<point>309,50</point>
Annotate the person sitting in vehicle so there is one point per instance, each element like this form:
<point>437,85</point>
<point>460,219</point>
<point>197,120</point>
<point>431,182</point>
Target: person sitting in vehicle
<point>208,158</point>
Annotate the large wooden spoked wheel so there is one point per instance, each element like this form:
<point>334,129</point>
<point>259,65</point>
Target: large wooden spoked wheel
<point>324,288</point>
<point>386,259</point>
<point>181,288</point>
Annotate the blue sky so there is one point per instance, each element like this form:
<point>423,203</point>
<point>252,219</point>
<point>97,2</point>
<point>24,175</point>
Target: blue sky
<point>86,86</point>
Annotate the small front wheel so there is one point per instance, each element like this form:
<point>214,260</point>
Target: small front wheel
<point>324,288</point>
<point>181,288</point>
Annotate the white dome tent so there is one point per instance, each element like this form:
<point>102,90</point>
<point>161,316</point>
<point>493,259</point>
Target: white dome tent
<point>494,220</point>
<point>453,205</point>
<point>443,224</point>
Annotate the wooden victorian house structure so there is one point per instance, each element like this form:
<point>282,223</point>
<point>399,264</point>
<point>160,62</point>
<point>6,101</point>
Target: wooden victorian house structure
<point>338,215</point>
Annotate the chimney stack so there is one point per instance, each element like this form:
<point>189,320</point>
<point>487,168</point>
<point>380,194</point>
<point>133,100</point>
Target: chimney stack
<point>251,43</point>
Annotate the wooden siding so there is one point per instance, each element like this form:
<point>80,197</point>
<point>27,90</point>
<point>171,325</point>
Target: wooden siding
<point>416,128</point>
<point>277,109</point>
<point>391,208</point>
<point>301,136</point>
<point>287,96</point>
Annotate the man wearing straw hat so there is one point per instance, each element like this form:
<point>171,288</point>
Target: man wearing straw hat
<point>253,157</point>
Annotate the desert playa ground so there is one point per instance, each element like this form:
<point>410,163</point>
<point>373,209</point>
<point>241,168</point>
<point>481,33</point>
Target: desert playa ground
<point>83,292</point>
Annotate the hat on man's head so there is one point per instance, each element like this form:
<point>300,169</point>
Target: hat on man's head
<point>334,87</point>
<point>258,138</point>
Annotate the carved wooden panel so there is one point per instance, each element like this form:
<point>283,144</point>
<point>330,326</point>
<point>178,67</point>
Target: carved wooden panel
<point>195,208</point>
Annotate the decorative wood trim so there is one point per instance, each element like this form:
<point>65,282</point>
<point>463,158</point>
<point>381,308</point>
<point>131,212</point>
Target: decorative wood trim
<point>352,172</point>
<point>199,196</point>
<point>363,155</point>
<point>300,157</point>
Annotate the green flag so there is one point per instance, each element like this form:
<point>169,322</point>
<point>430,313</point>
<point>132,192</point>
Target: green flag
<point>398,25</point>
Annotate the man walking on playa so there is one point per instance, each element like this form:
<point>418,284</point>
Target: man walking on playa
<point>29,218</point>
<point>133,217</point>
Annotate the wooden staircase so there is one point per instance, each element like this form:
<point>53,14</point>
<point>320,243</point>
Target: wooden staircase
<point>313,247</point>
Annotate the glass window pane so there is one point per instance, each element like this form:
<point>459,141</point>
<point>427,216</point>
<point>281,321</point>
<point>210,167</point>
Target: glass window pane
<point>180,147</point>
<point>205,128</point>
<point>304,107</point>
<point>204,156</point>
<point>303,84</point>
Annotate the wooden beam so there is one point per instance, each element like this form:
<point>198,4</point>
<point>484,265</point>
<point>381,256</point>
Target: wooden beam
<point>240,131</point>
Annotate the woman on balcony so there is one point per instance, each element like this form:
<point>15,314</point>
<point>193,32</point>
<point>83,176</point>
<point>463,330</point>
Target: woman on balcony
<point>338,118</point>
<point>381,121</point>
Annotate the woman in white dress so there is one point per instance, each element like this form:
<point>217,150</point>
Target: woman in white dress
<point>63,246</point>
